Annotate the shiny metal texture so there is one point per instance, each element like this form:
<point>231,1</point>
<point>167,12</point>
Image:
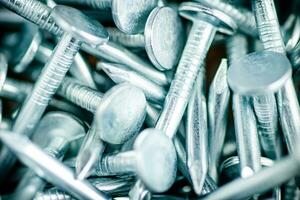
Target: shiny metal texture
<point>149,99</point>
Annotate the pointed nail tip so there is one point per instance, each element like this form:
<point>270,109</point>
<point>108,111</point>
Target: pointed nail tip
<point>197,185</point>
<point>79,176</point>
<point>198,179</point>
<point>82,172</point>
<point>111,70</point>
<point>78,173</point>
<point>197,191</point>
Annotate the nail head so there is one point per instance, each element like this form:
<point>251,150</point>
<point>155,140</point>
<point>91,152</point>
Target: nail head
<point>58,124</point>
<point>259,73</point>
<point>164,37</point>
<point>121,113</point>
<point>75,22</point>
<point>156,159</point>
<point>130,16</point>
<point>195,11</point>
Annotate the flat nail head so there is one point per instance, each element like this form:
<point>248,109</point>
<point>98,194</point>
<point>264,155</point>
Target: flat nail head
<point>58,124</point>
<point>78,24</point>
<point>156,159</point>
<point>121,113</point>
<point>259,73</point>
<point>130,16</point>
<point>194,11</point>
<point>164,37</point>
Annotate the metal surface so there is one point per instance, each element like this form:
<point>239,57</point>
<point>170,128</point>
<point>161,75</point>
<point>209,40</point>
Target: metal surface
<point>151,146</point>
<point>120,73</point>
<point>164,39</point>
<point>53,134</point>
<point>197,135</point>
<point>50,169</point>
<point>151,99</point>
<point>257,74</point>
<point>218,105</point>
<point>111,123</point>
<point>191,61</point>
<point>54,71</point>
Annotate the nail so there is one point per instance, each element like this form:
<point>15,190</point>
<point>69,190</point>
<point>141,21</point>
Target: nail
<point>157,169</point>
<point>260,82</point>
<point>246,136</point>
<point>268,27</point>
<point>60,61</point>
<point>49,168</point>
<point>191,61</point>
<point>123,121</point>
<point>41,15</point>
<point>54,133</point>
<point>115,186</point>
<point>265,106</point>
<point>218,103</point>
<point>196,135</point>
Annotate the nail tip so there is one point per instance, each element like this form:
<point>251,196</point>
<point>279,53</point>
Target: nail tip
<point>83,169</point>
<point>79,175</point>
<point>198,178</point>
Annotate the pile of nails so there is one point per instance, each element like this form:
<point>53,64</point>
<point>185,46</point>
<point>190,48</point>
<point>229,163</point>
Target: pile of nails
<point>149,99</point>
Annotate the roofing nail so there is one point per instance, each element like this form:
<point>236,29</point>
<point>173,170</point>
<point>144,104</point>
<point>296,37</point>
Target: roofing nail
<point>191,61</point>
<point>153,159</point>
